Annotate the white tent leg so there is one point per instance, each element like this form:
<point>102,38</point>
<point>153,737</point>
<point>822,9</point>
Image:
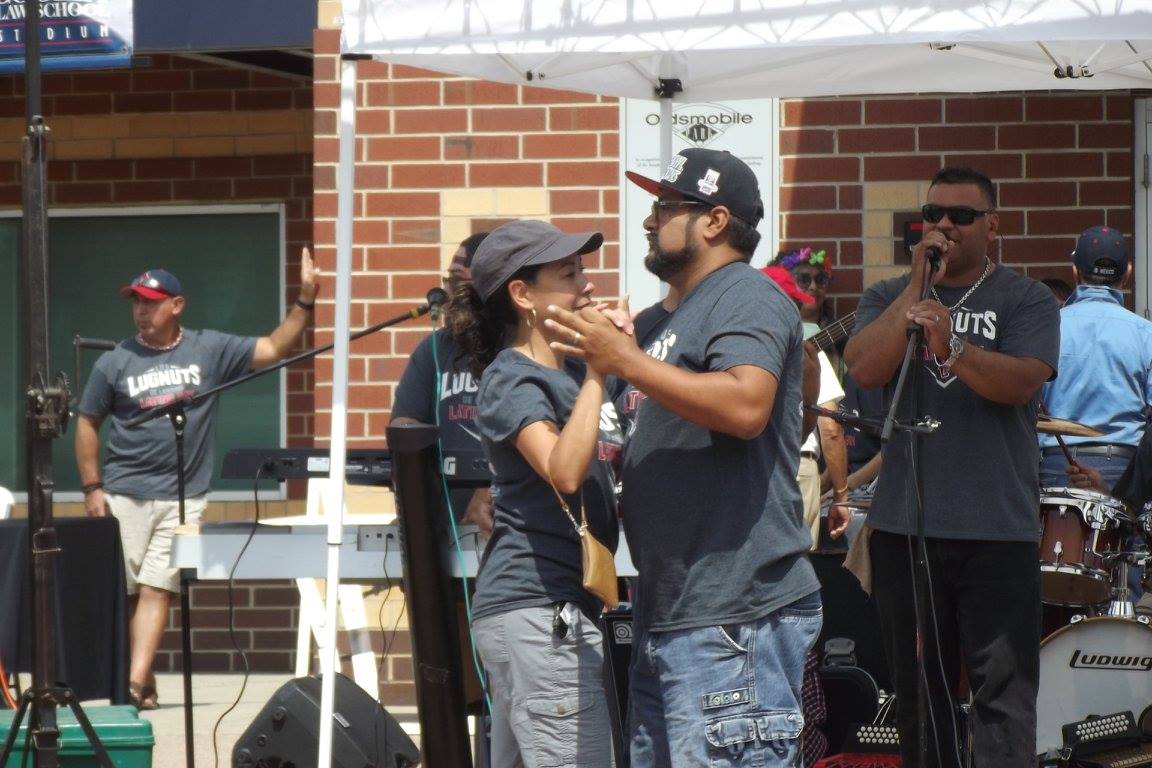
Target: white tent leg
<point>337,444</point>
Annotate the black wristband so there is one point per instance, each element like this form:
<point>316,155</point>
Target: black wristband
<point>87,489</point>
<point>306,307</point>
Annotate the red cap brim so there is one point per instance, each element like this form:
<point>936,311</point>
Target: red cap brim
<point>147,293</point>
<point>651,186</point>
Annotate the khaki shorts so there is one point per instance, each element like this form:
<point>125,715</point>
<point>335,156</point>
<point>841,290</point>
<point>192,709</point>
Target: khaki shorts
<point>146,535</point>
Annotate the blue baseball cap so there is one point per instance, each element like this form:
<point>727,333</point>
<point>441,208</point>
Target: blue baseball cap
<point>1100,253</point>
<point>154,284</point>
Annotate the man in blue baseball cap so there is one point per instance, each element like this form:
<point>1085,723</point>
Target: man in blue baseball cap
<point>137,482</point>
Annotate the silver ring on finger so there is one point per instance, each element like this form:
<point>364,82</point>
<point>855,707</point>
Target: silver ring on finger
<point>576,337</point>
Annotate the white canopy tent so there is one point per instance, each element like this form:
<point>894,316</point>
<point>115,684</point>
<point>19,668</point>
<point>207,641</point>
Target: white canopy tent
<point>718,49</point>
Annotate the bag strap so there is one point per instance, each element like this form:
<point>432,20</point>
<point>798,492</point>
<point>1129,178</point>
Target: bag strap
<point>583,524</point>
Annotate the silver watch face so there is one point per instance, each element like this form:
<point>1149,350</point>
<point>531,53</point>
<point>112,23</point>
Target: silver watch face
<point>955,345</point>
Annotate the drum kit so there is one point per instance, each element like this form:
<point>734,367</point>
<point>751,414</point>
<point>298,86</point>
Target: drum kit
<point>1099,663</point>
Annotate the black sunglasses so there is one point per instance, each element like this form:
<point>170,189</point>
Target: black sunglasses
<point>961,215</point>
<point>668,205</point>
<point>803,279</point>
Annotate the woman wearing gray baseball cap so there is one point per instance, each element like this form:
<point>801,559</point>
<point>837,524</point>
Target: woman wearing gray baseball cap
<point>549,433</point>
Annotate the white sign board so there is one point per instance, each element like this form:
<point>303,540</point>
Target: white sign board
<point>747,128</point>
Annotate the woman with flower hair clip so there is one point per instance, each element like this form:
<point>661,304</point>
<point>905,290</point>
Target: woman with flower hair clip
<point>812,272</point>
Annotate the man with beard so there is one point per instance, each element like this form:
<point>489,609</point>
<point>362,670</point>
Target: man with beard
<point>727,603</point>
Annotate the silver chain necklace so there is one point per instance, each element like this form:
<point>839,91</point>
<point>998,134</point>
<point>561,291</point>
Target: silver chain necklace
<point>954,307</point>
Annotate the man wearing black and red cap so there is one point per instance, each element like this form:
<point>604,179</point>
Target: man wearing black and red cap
<point>727,604</point>
<point>137,482</point>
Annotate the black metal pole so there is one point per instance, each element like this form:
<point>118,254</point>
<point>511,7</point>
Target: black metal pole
<point>179,421</point>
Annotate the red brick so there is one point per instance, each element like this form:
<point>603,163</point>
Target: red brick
<point>415,93</point>
<point>431,120</point>
<point>813,112</point>
<point>372,176</point>
<point>952,138</point>
<point>509,119</point>
<point>1055,165</point>
<point>269,188</point>
<point>877,140</point>
<point>470,147</point>
<point>1121,219</point>
<point>893,111</point>
<point>326,40</point>
<point>163,168</point>
<point>804,170</point>
<point>256,100</point>
<point>582,174</point>
<point>588,118</point>
<point>1063,222</point>
<point>565,201</point>
<point>404,148</point>
<point>416,231</point>
<point>10,194</point>
<point>807,141</point>
<point>202,189</point>
<point>807,198</point>
<point>851,252</point>
<point>851,197</point>
<point>406,72</point>
<point>1036,249</point>
<point>1011,221</point>
<point>1033,136</point>
<point>96,81</point>
<point>609,226</point>
<point>91,170</point>
<point>82,194</point>
<point>324,122</point>
<point>901,168</point>
<point>277,165</point>
<point>365,231</point>
<point>610,200</point>
<point>505,174</point>
<point>996,166</point>
<point>402,204</point>
<point>14,107</point>
<point>1073,107</point>
<point>202,101</point>
<point>142,191</point>
<point>1035,194</point>
<point>983,109</point>
<point>552,145</point>
<point>164,80</point>
<point>610,144</point>
<point>1120,106</point>
<point>220,78</point>
<point>1106,135</point>
<point>478,92</point>
<point>1106,193</point>
<point>80,104</point>
<point>224,166</point>
<point>1120,165</point>
<point>812,225</point>
<point>428,176</point>
<point>370,121</point>
<point>142,102</point>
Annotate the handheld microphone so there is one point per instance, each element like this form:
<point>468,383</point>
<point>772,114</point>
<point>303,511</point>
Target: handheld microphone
<point>932,253</point>
<point>82,343</point>
<point>436,298</point>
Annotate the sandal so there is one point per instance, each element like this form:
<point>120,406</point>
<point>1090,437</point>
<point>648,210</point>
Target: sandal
<point>143,697</point>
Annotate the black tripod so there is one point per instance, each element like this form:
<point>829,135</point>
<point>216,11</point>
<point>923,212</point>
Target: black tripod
<point>46,418</point>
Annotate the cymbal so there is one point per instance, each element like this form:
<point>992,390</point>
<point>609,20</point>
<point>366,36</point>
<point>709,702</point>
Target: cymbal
<point>1051,426</point>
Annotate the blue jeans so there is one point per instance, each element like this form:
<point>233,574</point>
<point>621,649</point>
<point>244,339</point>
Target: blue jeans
<point>722,695</point>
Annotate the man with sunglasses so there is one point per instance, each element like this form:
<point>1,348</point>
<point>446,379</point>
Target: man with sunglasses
<point>727,604</point>
<point>990,341</point>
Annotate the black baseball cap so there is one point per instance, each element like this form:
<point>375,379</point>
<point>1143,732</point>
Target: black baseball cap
<point>522,243</point>
<point>1100,253</point>
<point>716,177</point>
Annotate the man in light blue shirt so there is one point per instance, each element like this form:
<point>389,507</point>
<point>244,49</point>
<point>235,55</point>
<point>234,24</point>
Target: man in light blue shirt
<point>1105,376</point>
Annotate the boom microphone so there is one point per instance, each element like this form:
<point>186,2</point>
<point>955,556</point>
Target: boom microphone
<point>82,343</point>
<point>436,298</point>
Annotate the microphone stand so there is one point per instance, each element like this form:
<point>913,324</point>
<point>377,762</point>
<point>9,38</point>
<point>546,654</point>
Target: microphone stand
<point>920,568</point>
<point>176,412</point>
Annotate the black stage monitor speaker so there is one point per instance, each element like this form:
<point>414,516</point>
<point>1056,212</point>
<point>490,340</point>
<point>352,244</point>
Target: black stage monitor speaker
<point>286,733</point>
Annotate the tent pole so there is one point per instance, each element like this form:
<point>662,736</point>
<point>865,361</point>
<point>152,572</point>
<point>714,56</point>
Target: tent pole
<point>334,501</point>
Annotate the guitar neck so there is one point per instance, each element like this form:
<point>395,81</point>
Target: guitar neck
<point>826,337</point>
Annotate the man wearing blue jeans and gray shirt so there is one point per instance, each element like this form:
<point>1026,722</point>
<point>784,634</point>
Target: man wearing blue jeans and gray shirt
<point>727,604</point>
<point>1105,364</point>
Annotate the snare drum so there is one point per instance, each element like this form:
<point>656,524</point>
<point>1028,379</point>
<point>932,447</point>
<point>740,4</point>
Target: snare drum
<point>1079,526</point>
<point>1092,667</point>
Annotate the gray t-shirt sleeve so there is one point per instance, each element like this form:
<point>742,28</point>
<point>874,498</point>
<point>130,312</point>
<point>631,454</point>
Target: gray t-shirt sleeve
<point>96,401</point>
<point>511,399</point>
<point>754,329</point>
<point>416,392</point>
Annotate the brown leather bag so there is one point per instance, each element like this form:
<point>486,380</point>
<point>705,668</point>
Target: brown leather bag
<point>597,563</point>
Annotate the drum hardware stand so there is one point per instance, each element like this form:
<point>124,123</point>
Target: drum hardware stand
<point>928,643</point>
<point>46,418</point>
<point>176,412</point>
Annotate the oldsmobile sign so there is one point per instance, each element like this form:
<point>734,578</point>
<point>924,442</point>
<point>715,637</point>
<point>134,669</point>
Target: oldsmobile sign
<point>74,34</point>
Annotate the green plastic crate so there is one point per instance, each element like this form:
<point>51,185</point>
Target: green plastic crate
<point>127,739</point>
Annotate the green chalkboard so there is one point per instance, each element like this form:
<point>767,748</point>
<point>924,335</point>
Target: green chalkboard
<point>230,268</point>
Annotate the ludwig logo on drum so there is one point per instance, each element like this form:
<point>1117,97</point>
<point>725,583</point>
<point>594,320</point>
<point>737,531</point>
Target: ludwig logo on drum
<point>1086,660</point>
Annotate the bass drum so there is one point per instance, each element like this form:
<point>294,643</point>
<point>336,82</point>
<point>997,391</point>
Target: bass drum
<point>1097,666</point>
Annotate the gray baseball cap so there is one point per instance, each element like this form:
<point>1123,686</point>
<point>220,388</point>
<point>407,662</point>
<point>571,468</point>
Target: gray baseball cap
<point>522,243</point>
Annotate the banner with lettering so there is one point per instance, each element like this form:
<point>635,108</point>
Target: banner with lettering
<point>74,34</point>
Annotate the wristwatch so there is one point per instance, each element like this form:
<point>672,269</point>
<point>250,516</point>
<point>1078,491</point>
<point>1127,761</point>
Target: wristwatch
<point>955,349</point>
